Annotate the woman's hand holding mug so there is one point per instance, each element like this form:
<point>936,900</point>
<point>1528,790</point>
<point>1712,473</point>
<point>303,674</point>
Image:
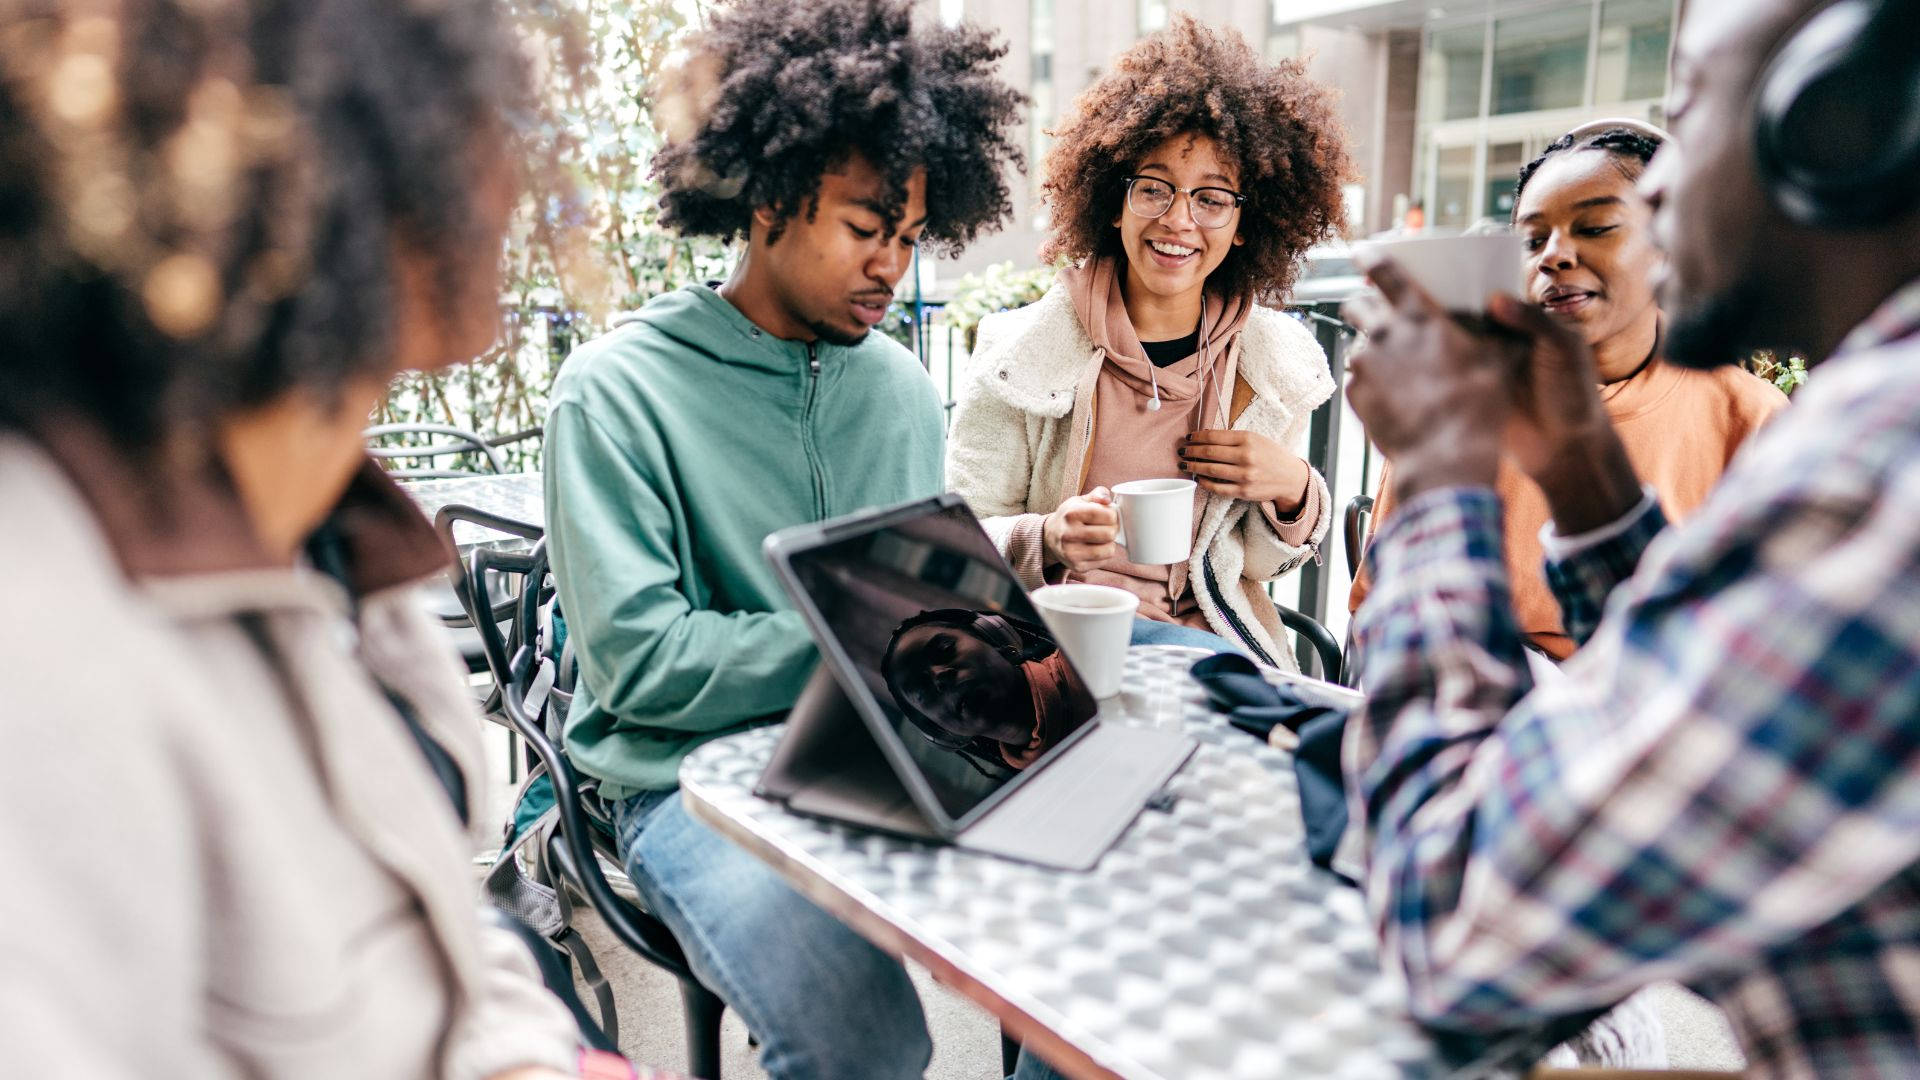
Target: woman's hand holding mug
<point>1081,534</point>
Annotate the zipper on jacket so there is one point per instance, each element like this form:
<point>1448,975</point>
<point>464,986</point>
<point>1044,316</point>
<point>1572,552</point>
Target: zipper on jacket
<point>806,432</point>
<point>1227,613</point>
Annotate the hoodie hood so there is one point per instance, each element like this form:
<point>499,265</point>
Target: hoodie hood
<point>699,318</point>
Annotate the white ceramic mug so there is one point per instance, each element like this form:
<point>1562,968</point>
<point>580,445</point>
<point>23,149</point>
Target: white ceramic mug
<point>1093,623</point>
<point>1156,520</point>
<point>1459,271</point>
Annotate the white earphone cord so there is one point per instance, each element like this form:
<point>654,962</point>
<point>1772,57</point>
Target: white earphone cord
<point>1206,361</point>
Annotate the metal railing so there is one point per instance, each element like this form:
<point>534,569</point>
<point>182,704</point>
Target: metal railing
<point>1335,445</point>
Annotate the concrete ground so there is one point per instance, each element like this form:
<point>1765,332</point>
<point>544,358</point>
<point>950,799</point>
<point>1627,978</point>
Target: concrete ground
<point>966,1039</point>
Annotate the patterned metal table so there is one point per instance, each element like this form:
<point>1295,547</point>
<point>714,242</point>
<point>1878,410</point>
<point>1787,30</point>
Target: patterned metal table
<point>1205,945</point>
<point>512,495</point>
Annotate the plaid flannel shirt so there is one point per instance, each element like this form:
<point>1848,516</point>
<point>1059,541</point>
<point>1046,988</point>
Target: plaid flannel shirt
<point>1725,788</point>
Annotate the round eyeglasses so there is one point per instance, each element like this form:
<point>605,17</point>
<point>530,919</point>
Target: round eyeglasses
<point>1211,207</point>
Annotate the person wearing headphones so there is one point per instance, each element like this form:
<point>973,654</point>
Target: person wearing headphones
<point>1722,789</point>
<point>1184,188</point>
<point>992,688</point>
<point>1592,263</point>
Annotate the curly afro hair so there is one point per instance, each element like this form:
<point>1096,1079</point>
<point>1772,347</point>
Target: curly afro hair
<point>795,87</point>
<point>1279,125</point>
<point>199,202</point>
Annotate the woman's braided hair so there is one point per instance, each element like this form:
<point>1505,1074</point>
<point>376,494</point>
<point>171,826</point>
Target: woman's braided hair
<point>1631,151</point>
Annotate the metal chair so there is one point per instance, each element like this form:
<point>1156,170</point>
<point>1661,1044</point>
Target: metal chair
<point>1359,514</point>
<point>455,441</point>
<point>523,666</point>
<point>448,607</point>
<point>1355,520</point>
<point>1325,649</point>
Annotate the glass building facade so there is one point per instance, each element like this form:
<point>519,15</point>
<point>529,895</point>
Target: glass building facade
<point>1496,88</point>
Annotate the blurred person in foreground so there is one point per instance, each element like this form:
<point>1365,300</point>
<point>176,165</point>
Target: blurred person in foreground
<point>1591,264</point>
<point>832,137</point>
<point>1723,790</point>
<point>243,758</point>
<point>1185,186</point>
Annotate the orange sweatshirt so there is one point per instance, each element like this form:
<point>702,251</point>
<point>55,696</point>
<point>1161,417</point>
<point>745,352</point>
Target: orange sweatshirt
<point>1681,428</point>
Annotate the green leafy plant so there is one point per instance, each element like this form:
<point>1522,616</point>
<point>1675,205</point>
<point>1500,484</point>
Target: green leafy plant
<point>585,242</point>
<point>1000,287</point>
<point>1788,373</point>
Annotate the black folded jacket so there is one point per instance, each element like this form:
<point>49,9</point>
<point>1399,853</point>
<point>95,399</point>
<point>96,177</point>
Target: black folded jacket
<point>1234,686</point>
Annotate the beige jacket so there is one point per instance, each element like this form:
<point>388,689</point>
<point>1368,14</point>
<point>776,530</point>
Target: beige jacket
<point>1020,440</point>
<point>201,882</point>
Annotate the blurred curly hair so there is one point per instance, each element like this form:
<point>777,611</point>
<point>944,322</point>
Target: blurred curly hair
<point>779,92</point>
<point>1277,125</point>
<point>200,203</point>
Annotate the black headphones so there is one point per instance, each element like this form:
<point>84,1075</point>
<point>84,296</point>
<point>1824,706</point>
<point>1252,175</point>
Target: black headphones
<point>1837,120</point>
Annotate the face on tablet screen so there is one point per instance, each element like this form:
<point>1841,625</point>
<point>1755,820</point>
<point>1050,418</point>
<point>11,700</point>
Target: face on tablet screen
<point>955,656</point>
<point>984,683</point>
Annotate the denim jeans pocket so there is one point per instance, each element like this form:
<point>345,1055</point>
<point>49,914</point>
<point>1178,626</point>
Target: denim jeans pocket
<point>630,817</point>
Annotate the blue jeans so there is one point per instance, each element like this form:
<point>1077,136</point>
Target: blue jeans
<point>1149,632</point>
<point>823,1001</point>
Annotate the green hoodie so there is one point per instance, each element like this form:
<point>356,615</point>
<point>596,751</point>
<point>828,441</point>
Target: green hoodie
<point>674,445</point>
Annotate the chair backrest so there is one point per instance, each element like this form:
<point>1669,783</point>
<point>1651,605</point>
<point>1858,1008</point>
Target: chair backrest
<point>1325,649</point>
<point>1358,514</point>
<point>503,598</point>
<point>521,659</point>
<point>417,442</point>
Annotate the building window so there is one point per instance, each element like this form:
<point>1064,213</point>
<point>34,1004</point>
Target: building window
<point>1283,43</point>
<point>1153,15</point>
<point>1540,61</point>
<point>1452,189</point>
<point>1630,63</point>
<point>1040,83</point>
<point>1452,72</point>
<point>1504,161</point>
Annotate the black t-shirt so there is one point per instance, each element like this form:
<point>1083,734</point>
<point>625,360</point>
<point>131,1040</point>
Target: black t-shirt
<point>1162,353</point>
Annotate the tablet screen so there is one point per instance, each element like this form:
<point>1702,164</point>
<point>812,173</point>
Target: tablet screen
<point>944,639</point>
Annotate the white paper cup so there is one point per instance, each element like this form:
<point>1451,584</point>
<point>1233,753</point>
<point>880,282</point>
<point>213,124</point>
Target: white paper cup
<point>1093,623</point>
<point>1459,271</point>
<point>1156,520</point>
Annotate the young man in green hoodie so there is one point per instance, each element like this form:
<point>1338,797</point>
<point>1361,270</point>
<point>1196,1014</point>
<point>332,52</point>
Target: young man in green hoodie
<point>833,137</point>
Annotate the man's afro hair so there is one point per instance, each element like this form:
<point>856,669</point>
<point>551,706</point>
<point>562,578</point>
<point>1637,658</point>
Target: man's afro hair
<point>778,92</point>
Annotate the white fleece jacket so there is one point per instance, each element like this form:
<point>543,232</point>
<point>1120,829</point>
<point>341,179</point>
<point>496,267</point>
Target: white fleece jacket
<point>1020,439</point>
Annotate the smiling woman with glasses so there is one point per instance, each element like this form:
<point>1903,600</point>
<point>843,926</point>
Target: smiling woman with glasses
<point>1184,188</point>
